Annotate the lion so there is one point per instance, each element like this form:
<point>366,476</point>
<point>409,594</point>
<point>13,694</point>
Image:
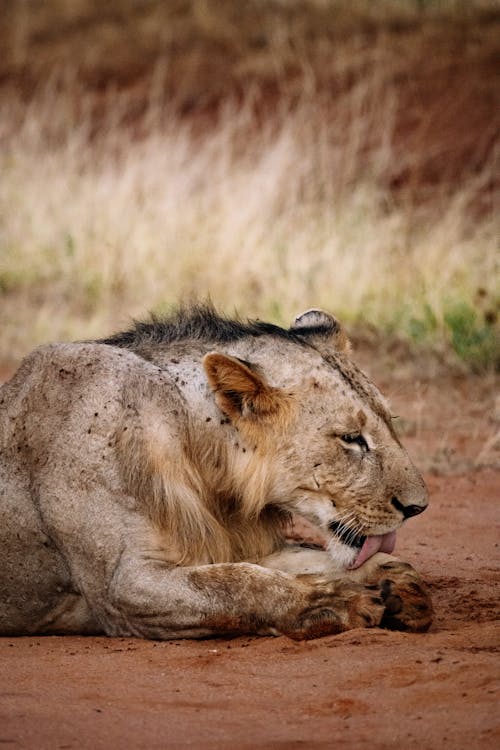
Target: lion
<point>149,481</point>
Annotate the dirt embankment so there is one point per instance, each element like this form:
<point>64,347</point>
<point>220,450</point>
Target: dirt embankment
<point>437,66</point>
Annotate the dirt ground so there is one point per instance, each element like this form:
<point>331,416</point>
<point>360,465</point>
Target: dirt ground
<point>370,688</point>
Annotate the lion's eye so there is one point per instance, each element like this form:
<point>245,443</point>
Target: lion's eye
<point>356,439</point>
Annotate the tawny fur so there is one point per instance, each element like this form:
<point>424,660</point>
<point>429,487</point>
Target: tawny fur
<point>146,482</point>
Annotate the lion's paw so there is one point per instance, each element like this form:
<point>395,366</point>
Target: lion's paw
<point>335,607</point>
<point>407,602</point>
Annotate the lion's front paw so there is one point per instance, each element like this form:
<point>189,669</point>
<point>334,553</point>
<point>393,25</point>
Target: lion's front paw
<point>407,602</point>
<point>332,607</point>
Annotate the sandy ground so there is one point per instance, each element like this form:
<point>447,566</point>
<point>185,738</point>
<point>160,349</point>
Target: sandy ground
<point>370,688</point>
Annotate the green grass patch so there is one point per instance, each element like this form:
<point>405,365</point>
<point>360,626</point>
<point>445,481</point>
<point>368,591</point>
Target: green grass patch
<point>474,337</point>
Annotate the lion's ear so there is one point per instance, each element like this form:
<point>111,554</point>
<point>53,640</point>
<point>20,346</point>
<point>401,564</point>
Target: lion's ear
<point>239,390</point>
<point>321,329</point>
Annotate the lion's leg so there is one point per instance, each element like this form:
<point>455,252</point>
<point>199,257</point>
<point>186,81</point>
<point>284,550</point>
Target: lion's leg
<point>236,598</point>
<point>296,559</point>
<point>164,602</point>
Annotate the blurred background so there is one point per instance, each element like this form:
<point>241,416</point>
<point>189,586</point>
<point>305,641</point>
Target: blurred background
<point>271,154</point>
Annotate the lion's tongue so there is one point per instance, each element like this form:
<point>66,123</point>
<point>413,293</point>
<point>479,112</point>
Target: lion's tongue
<point>373,544</point>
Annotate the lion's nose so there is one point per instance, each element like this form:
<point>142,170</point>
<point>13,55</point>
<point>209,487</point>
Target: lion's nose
<point>407,510</point>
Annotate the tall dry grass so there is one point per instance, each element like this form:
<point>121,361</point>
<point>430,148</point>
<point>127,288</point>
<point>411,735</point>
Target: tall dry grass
<point>266,215</point>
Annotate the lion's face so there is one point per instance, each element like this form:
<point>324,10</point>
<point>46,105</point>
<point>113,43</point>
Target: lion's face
<point>345,469</point>
<point>326,435</point>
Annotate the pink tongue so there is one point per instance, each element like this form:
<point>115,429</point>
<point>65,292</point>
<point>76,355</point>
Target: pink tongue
<point>373,544</point>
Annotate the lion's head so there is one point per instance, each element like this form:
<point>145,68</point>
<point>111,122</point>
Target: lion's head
<point>324,433</point>
<point>279,421</point>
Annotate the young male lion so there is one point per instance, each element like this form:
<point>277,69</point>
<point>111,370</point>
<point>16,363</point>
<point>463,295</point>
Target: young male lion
<point>146,483</point>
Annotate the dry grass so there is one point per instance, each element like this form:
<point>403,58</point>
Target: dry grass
<point>268,209</point>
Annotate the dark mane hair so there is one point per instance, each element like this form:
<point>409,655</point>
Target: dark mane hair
<point>201,322</point>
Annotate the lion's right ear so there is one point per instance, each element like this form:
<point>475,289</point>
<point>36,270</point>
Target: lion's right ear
<point>240,392</point>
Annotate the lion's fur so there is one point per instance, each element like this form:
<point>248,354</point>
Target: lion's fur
<point>181,446</point>
<point>211,518</point>
<point>206,498</point>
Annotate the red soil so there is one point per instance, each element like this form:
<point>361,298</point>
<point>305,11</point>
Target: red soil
<point>366,687</point>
